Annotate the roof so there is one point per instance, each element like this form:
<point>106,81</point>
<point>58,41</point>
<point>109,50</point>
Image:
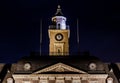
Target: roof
<point>4,70</point>
<point>78,62</point>
<point>41,63</point>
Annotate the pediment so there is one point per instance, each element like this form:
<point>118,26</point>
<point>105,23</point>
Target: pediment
<point>59,67</point>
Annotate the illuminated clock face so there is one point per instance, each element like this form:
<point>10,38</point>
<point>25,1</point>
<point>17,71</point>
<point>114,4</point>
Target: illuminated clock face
<point>59,37</point>
<point>27,66</point>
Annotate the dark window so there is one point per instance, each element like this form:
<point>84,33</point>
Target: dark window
<point>58,26</point>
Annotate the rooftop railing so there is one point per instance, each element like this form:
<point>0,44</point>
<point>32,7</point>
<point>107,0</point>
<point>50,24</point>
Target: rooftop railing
<point>54,27</point>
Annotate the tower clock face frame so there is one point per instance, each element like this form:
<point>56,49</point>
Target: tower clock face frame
<point>92,66</point>
<point>59,37</point>
<point>27,66</point>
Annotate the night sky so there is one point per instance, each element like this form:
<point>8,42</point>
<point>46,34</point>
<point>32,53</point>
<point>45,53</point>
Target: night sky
<point>99,27</point>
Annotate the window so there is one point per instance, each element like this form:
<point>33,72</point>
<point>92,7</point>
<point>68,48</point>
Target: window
<point>10,80</point>
<point>58,50</point>
<point>43,81</point>
<point>59,81</point>
<point>110,80</point>
<point>92,66</point>
<point>76,81</point>
<point>93,82</point>
<point>26,82</point>
<point>59,26</point>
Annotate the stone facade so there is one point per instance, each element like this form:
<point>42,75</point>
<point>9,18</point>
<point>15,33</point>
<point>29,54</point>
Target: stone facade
<point>62,45</point>
<point>59,70</point>
<point>58,78</point>
<point>39,75</point>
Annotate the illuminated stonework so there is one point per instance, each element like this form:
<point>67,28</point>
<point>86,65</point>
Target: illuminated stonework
<point>78,77</point>
<point>59,35</point>
<point>59,48</point>
<point>60,67</point>
<point>55,77</point>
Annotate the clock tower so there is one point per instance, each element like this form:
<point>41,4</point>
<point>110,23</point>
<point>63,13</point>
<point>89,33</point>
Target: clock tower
<point>59,35</point>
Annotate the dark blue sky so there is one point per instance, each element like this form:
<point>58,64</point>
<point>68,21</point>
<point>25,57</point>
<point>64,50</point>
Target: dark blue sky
<point>99,27</point>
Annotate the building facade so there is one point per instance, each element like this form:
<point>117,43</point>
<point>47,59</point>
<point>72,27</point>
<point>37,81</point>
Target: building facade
<point>59,67</point>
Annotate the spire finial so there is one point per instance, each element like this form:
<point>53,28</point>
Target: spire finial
<point>59,12</point>
<point>58,6</point>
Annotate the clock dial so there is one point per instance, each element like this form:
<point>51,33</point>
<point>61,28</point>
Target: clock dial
<point>92,66</point>
<point>59,37</point>
<point>27,66</point>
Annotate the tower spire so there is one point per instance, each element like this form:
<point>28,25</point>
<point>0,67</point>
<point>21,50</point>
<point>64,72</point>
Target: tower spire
<point>59,12</point>
<point>59,35</point>
<point>58,6</point>
<point>59,20</point>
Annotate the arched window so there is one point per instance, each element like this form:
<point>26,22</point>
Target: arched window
<point>58,26</point>
<point>109,80</point>
<point>58,50</point>
<point>10,80</point>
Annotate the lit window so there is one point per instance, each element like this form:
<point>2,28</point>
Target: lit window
<point>93,81</point>
<point>59,81</point>
<point>110,80</point>
<point>76,81</point>
<point>26,82</point>
<point>9,80</point>
<point>43,81</point>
